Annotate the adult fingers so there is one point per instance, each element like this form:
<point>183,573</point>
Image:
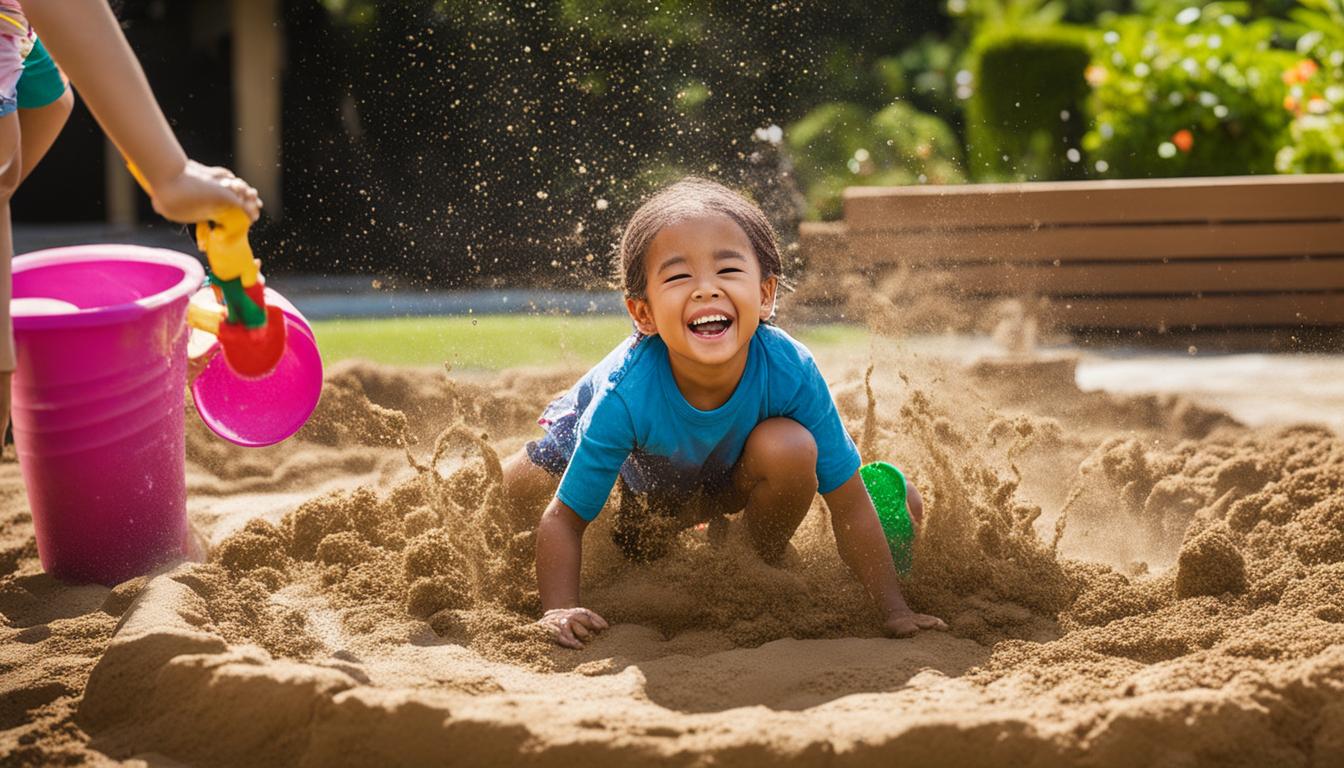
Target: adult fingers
<point>252,207</point>
<point>242,188</point>
<point>221,200</point>
<point>218,172</point>
<point>246,195</point>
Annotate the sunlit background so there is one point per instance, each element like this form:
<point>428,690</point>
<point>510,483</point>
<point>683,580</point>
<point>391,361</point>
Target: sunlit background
<point>450,143</point>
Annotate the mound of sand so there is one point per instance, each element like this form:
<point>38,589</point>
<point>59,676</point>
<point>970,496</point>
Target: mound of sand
<point>1127,581</point>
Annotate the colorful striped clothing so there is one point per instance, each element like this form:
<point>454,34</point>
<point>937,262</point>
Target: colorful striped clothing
<point>16,42</point>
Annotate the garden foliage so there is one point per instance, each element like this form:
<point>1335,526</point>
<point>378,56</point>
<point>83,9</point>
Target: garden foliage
<point>461,141</point>
<point>1316,91</point>
<point>840,145</point>
<point>1195,94</point>
<point>1049,90</point>
<point>1026,110</point>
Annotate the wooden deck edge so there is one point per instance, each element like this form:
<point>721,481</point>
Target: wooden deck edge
<point>1105,185</point>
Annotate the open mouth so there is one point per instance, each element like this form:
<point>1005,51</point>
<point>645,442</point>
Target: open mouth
<point>710,326</point>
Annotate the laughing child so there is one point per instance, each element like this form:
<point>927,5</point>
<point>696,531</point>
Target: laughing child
<point>706,410</point>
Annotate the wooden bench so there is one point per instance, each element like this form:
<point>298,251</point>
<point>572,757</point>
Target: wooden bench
<point>1247,252</point>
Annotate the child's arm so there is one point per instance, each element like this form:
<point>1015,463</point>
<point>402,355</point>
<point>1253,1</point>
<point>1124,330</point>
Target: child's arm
<point>863,547</point>
<point>559,553</point>
<point>86,41</point>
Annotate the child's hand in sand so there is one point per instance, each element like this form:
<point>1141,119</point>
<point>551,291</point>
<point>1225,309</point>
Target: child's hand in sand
<point>200,192</point>
<point>909,623</point>
<point>571,626</point>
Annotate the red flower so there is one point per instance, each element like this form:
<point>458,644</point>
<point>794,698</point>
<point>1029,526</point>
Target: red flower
<point>1301,73</point>
<point>1183,139</point>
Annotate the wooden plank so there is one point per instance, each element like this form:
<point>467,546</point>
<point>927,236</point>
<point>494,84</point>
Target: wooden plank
<point>1276,310</point>
<point>1237,198</point>
<point>822,229</point>
<point>823,241</point>
<point>1156,278</point>
<point>1101,243</point>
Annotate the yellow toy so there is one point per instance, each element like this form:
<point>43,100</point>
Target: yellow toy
<point>251,334</point>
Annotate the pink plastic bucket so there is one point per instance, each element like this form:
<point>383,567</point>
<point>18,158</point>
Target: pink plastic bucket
<point>99,405</point>
<point>266,410</point>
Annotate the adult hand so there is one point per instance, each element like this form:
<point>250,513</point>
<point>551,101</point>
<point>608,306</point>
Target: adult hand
<point>200,192</point>
<point>571,626</point>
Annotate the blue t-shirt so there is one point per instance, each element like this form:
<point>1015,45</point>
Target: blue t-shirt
<point>627,416</point>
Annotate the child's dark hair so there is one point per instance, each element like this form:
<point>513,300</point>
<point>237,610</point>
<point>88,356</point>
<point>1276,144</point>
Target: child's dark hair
<point>685,199</point>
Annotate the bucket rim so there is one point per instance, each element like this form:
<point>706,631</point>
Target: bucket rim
<point>193,275</point>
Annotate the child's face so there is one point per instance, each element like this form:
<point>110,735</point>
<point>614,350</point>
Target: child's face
<point>704,296</point>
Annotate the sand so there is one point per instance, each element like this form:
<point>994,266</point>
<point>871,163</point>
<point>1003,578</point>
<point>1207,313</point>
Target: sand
<point>1129,580</point>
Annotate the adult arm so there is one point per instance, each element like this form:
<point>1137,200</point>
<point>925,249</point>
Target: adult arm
<point>86,41</point>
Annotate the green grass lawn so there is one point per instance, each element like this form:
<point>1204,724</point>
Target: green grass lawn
<point>495,342</point>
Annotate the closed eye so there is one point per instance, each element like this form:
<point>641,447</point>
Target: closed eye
<point>681,276</point>
<point>727,270</point>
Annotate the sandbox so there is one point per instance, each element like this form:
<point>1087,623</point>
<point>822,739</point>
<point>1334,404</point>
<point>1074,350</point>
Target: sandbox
<point>1128,580</point>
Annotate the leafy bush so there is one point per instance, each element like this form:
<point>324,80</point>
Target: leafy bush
<point>1025,110</point>
<point>1315,96</point>
<point>1197,93</point>
<point>840,145</point>
<point>930,66</point>
<point>1316,145</point>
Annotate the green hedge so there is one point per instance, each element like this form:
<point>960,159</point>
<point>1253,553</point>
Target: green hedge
<point>1026,108</point>
<point>840,145</point>
<point>1315,91</point>
<point>1199,92</point>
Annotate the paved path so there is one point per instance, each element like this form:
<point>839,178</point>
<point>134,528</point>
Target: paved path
<point>324,298</point>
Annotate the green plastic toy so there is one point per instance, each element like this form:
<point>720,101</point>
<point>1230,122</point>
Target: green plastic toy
<point>886,487</point>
